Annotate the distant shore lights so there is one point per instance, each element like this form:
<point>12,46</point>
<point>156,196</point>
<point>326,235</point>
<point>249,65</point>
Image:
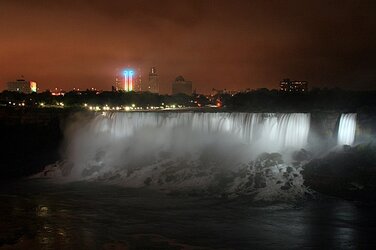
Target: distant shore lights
<point>128,80</point>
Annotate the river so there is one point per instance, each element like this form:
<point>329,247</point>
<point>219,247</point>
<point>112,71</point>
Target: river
<point>40,214</point>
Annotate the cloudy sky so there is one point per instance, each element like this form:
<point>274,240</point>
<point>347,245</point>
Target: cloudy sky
<point>219,44</point>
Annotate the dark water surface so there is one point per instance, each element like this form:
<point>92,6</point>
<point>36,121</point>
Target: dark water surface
<point>37,214</point>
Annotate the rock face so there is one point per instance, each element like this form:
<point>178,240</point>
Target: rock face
<point>270,178</point>
<point>348,173</point>
<point>366,126</point>
<point>323,129</point>
<point>267,178</point>
<point>31,139</point>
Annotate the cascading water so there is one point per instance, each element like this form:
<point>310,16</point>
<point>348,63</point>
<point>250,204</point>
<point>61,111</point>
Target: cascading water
<point>278,131</point>
<point>189,150</point>
<point>346,129</point>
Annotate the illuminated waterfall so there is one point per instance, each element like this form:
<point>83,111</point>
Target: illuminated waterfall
<point>219,153</point>
<point>346,129</point>
<point>269,131</point>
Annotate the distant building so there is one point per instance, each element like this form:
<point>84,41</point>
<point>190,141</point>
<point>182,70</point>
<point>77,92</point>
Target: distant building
<point>125,81</point>
<point>215,92</point>
<point>118,83</point>
<point>181,86</point>
<point>138,82</point>
<point>153,82</point>
<point>22,86</point>
<point>288,85</point>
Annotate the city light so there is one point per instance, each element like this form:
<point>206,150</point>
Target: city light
<point>130,86</point>
<point>33,86</point>
<point>126,73</point>
<point>129,108</point>
<point>128,80</point>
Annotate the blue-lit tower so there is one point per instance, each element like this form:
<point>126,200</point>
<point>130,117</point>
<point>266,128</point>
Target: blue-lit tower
<point>128,80</point>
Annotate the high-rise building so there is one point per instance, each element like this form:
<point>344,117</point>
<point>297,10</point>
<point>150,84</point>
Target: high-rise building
<point>23,86</point>
<point>181,86</point>
<point>153,82</point>
<point>125,81</point>
<point>118,83</point>
<point>288,85</point>
<point>137,83</point>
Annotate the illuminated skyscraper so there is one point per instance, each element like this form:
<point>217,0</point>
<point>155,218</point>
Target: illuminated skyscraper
<point>128,80</point>
<point>153,84</point>
<point>125,81</point>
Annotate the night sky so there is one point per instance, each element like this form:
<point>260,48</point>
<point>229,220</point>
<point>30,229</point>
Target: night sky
<point>217,44</point>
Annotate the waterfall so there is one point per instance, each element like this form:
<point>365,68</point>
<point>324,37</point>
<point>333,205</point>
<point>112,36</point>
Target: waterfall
<point>346,129</point>
<point>218,153</point>
<point>271,131</point>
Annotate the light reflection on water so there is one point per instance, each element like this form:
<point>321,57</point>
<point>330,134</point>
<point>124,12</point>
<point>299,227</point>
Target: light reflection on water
<point>38,214</point>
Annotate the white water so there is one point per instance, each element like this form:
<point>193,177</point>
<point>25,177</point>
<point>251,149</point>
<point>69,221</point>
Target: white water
<point>273,132</point>
<point>346,130</point>
<point>209,152</point>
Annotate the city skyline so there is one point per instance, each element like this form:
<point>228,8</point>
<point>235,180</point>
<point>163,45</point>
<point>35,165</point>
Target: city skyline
<point>216,44</point>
